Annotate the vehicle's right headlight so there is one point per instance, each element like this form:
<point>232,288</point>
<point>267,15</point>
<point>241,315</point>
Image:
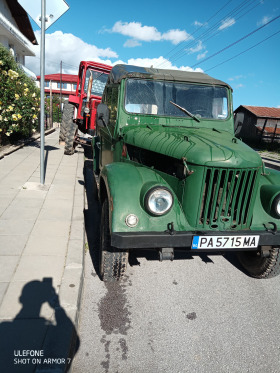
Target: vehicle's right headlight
<point>158,200</point>
<point>276,206</point>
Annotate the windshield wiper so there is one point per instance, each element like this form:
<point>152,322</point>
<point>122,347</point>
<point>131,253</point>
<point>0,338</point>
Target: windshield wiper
<point>185,111</point>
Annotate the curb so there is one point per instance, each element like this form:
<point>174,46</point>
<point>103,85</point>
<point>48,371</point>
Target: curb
<point>13,148</point>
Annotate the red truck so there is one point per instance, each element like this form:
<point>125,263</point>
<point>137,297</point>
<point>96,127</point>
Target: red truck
<point>79,112</point>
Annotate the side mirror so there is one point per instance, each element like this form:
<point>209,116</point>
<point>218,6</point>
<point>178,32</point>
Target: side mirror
<point>102,115</point>
<point>238,122</point>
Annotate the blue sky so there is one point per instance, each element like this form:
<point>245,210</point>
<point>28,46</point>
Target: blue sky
<point>180,35</point>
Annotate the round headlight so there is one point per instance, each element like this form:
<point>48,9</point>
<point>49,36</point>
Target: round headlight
<point>276,206</point>
<point>158,201</point>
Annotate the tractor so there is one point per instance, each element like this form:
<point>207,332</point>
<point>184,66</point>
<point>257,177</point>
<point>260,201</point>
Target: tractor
<point>79,111</point>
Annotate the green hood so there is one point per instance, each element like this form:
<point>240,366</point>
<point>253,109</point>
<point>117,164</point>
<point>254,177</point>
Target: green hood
<point>200,146</point>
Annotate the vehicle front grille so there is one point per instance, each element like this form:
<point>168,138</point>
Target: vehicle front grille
<point>227,198</point>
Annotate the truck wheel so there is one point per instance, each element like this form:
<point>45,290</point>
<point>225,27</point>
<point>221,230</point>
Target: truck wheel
<point>71,129</point>
<point>68,112</point>
<point>113,263</point>
<point>258,266</point>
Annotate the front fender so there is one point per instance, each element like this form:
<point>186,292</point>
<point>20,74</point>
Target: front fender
<point>125,185</point>
<point>269,188</point>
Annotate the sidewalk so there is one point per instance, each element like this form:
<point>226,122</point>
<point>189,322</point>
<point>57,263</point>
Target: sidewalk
<point>41,257</point>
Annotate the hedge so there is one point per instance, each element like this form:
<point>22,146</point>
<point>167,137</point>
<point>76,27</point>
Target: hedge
<point>19,100</point>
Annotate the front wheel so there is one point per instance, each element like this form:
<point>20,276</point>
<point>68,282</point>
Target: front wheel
<point>259,266</point>
<point>113,262</point>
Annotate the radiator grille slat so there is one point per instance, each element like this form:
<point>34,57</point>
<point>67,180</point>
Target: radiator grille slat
<point>226,198</point>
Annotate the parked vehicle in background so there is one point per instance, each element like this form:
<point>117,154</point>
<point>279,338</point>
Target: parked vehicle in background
<point>173,175</point>
<point>79,112</point>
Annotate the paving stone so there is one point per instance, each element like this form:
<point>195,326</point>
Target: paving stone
<point>56,213</point>
<point>3,288</point>
<point>30,298</point>
<point>8,266</point>
<point>45,228</point>
<point>15,227</point>
<point>21,335</point>
<point>27,213</point>
<point>40,267</point>
<point>49,246</point>
<point>12,245</point>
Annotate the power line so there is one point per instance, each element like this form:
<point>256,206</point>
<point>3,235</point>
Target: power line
<point>244,51</point>
<point>209,19</point>
<point>236,42</point>
<point>58,63</point>
<point>233,13</point>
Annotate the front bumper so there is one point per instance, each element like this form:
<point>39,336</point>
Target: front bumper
<point>157,240</point>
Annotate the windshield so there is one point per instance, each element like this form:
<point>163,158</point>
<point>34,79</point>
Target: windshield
<point>153,97</point>
<point>98,83</point>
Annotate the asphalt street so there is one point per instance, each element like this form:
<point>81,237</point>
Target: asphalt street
<point>199,313</point>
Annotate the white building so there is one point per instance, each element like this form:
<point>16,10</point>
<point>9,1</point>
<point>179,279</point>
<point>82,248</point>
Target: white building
<point>16,32</point>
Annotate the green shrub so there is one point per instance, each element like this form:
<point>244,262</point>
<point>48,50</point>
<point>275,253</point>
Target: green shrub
<point>19,99</point>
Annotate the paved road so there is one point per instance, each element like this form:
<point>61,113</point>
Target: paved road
<point>195,314</point>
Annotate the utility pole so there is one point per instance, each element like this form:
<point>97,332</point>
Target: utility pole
<point>42,92</point>
<point>51,106</point>
<point>60,86</point>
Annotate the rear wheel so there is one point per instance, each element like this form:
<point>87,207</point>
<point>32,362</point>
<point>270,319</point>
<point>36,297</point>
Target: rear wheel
<point>113,262</point>
<point>259,266</point>
<point>68,113</point>
<point>69,128</point>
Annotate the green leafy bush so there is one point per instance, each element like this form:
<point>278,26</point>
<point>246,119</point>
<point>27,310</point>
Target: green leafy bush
<point>19,100</point>
<point>56,112</point>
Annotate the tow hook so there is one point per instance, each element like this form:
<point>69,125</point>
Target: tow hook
<point>170,229</point>
<point>166,253</point>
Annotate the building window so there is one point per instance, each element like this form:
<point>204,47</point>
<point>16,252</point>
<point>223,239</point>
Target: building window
<point>63,85</point>
<point>74,87</point>
<point>47,84</point>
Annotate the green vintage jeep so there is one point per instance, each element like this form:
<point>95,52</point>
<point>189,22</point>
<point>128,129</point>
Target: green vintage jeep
<point>172,174</point>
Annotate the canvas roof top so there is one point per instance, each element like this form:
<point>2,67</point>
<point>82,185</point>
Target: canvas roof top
<point>120,72</point>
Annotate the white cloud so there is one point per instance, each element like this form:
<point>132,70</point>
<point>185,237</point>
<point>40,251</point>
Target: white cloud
<point>237,86</point>
<point>236,77</point>
<point>131,43</point>
<point>176,36</point>
<point>197,23</point>
<point>160,63</point>
<point>69,49</point>
<point>201,55</point>
<point>137,31</point>
<point>264,21</point>
<point>228,22</point>
<point>197,48</point>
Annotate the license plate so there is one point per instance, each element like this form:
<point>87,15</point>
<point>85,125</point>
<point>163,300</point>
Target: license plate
<point>225,242</point>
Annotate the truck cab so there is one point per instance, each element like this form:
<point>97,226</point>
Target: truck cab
<point>173,175</point>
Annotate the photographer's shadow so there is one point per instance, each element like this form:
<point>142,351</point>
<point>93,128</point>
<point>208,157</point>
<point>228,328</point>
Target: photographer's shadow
<point>32,343</point>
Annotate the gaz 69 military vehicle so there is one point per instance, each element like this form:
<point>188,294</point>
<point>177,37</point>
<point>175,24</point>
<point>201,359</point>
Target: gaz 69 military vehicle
<point>173,175</point>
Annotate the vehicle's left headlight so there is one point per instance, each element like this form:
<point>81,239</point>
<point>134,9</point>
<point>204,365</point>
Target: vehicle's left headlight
<point>276,206</point>
<point>158,200</point>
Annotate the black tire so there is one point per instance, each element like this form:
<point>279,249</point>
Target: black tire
<point>258,266</point>
<point>112,263</point>
<point>71,129</point>
<point>67,115</point>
